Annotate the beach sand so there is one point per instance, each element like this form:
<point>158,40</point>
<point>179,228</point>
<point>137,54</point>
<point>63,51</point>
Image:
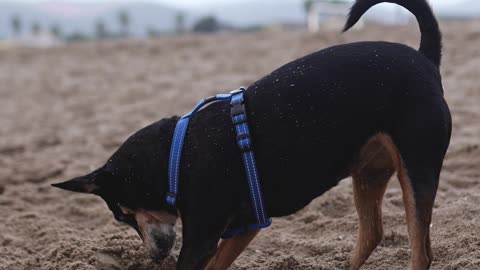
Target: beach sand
<point>64,110</point>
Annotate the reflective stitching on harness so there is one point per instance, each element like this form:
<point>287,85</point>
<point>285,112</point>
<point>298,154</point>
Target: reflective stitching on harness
<point>243,129</point>
<point>172,183</point>
<point>251,159</point>
<point>250,184</point>
<point>180,128</point>
<point>179,135</point>
<point>252,188</point>
<point>172,157</point>
<point>180,154</point>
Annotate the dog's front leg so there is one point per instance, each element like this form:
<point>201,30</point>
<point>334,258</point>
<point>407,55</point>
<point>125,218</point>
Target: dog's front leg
<point>229,250</point>
<point>201,234</point>
<point>197,250</point>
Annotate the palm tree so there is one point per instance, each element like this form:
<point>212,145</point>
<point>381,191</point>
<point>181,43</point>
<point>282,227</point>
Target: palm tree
<point>101,29</point>
<point>180,23</point>
<point>36,28</point>
<point>56,30</point>
<point>307,5</point>
<point>124,20</point>
<point>16,24</point>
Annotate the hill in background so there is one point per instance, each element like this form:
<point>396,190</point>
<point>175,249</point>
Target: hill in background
<point>147,16</point>
<point>82,17</point>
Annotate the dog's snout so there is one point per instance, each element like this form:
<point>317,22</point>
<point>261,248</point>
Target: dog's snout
<point>157,230</point>
<point>159,240</point>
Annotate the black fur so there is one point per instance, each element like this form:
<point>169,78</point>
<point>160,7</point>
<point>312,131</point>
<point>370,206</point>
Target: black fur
<point>308,121</point>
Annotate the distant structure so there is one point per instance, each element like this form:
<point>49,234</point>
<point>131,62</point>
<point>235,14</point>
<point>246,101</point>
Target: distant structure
<point>16,25</point>
<point>329,13</point>
<point>101,31</point>
<point>56,30</point>
<point>41,39</point>
<point>124,21</point>
<point>208,24</point>
<point>180,22</point>
<point>36,28</point>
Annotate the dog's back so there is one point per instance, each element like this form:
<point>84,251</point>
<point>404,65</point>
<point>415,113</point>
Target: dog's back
<point>327,105</point>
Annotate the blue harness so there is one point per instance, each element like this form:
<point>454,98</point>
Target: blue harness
<point>239,119</point>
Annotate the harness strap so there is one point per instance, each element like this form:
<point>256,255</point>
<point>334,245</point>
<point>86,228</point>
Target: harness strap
<point>239,119</point>
<point>176,151</point>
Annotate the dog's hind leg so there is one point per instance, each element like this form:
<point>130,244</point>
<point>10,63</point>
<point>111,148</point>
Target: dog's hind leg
<point>370,179</point>
<point>418,200</point>
<point>422,145</point>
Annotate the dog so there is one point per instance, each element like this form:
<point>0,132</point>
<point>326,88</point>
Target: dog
<point>366,110</point>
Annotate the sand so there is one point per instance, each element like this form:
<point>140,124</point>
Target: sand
<point>64,110</point>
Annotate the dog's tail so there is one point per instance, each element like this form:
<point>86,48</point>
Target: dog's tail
<point>431,39</point>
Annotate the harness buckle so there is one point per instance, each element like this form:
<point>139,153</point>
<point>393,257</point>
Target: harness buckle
<point>246,149</point>
<point>236,91</point>
<point>170,204</point>
<point>244,142</point>
<point>237,109</point>
<point>243,136</point>
<point>171,198</point>
<point>239,119</point>
<point>210,99</point>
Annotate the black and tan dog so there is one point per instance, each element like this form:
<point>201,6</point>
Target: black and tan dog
<point>365,110</point>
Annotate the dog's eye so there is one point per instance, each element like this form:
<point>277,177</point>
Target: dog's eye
<point>125,215</point>
<point>128,219</point>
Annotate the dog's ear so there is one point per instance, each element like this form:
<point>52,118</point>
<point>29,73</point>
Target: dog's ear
<point>83,184</point>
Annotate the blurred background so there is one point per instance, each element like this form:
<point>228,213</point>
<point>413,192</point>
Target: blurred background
<point>77,78</point>
<point>53,22</point>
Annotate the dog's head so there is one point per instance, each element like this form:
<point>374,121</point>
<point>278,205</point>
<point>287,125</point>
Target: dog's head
<point>133,183</point>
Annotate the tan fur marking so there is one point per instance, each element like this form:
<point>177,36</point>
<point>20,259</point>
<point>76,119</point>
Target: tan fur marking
<point>369,184</point>
<point>146,216</point>
<point>419,234</point>
<point>370,178</point>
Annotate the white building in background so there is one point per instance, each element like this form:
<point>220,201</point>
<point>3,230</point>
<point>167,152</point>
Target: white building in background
<point>40,40</point>
<point>331,15</point>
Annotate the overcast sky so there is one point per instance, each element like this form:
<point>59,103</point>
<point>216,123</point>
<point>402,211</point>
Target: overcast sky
<point>199,3</point>
<point>181,3</point>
